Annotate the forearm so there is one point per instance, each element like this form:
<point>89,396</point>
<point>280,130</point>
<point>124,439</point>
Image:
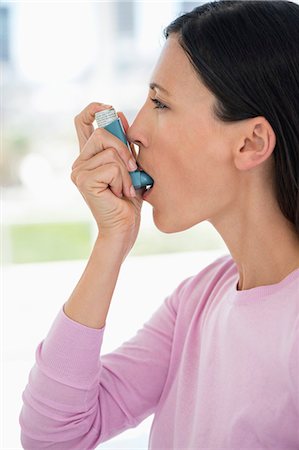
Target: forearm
<point>90,301</point>
<point>76,398</point>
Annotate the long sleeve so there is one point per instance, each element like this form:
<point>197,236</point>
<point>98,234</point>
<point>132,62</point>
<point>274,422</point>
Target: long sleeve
<point>218,368</point>
<point>76,399</point>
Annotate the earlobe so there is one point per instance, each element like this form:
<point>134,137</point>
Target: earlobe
<point>256,145</point>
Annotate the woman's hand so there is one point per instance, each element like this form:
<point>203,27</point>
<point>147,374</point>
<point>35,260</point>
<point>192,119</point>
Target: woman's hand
<point>101,173</point>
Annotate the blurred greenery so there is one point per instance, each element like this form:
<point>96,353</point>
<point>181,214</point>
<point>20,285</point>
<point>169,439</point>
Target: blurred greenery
<point>41,242</point>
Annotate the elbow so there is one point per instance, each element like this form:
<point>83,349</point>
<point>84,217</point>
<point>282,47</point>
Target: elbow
<point>29,433</point>
<point>39,432</point>
<point>30,444</point>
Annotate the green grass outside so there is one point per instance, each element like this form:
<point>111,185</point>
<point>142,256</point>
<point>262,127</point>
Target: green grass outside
<point>49,242</point>
<point>44,242</point>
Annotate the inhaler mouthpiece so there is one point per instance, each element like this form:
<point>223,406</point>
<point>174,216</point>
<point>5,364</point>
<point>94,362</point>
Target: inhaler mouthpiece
<point>109,120</point>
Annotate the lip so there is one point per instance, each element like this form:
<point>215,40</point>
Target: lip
<point>140,166</point>
<point>147,193</point>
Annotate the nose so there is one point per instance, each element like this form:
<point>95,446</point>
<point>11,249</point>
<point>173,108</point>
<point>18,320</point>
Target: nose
<point>134,136</point>
<point>135,141</point>
<point>136,133</point>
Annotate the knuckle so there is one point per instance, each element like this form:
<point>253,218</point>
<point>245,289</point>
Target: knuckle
<point>74,175</point>
<point>76,119</point>
<point>111,153</point>
<point>123,151</point>
<point>93,105</point>
<point>117,170</point>
<point>81,181</point>
<point>75,164</point>
<point>98,132</point>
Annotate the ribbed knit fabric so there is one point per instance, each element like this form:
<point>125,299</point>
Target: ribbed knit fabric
<point>217,366</point>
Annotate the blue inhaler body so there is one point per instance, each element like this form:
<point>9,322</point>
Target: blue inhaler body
<point>109,120</point>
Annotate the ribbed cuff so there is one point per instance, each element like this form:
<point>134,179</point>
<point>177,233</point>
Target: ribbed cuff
<point>71,352</point>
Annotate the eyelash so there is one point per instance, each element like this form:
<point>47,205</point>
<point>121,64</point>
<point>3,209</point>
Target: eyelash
<point>159,105</point>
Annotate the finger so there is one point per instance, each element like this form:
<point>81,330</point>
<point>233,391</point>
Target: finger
<point>84,122</point>
<point>98,180</point>
<point>107,156</point>
<point>102,139</point>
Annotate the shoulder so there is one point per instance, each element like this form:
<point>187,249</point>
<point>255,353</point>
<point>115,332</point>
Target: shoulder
<point>293,359</point>
<point>198,288</point>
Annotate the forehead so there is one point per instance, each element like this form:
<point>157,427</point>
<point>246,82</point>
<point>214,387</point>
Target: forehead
<point>175,72</point>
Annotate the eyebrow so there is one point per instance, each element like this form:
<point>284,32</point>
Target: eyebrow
<point>157,86</point>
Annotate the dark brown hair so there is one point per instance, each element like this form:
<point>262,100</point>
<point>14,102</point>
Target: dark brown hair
<point>247,54</point>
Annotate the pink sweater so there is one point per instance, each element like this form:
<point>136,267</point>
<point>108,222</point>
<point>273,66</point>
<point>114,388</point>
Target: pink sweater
<point>218,367</point>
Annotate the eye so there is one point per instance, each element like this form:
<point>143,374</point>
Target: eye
<point>159,105</point>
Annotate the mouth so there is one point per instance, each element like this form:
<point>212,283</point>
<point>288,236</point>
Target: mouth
<point>147,191</point>
<point>139,165</point>
<point>148,187</point>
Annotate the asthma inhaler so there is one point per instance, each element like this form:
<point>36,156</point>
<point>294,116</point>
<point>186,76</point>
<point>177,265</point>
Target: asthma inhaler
<point>109,120</point>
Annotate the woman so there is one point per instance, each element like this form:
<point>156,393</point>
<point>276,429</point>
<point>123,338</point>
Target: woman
<point>218,362</point>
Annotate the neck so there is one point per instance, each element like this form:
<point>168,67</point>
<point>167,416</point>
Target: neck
<point>262,242</point>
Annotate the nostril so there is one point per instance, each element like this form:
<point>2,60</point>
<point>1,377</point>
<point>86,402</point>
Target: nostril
<point>133,150</point>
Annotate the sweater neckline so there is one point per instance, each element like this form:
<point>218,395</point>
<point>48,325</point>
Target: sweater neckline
<point>262,291</point>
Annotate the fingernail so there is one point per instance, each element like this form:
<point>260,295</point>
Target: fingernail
<point>132,191</point>
<point>102,107</point>
<point>132,164</point>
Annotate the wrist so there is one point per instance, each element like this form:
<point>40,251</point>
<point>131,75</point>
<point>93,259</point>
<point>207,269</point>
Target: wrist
<point>117,246</point>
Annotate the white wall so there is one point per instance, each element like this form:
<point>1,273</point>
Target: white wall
<point>34,293</point>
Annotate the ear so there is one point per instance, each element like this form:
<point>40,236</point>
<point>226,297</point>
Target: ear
<point>256,144</point>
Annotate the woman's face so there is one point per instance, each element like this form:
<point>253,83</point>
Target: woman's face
<point>182,146</point>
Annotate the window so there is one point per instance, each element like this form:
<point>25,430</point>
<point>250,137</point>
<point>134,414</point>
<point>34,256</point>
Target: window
<point>4,34</point>
<point>125,18</point>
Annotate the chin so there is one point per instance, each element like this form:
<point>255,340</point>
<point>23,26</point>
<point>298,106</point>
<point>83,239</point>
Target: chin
<point>169,224</point>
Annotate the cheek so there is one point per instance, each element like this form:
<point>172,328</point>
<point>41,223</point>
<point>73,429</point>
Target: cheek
<point>194,185</point>
<point>209,153</point>
<point>186,167</point>
<point>208,177</point>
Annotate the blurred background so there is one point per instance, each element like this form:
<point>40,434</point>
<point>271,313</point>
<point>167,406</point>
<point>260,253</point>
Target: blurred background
<point>55,58</point>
